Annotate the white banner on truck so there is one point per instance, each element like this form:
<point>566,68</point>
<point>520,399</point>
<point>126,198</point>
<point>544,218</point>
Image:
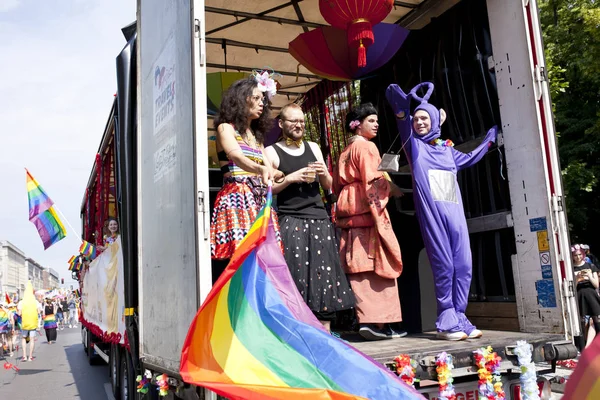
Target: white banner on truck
<point>102,294</point>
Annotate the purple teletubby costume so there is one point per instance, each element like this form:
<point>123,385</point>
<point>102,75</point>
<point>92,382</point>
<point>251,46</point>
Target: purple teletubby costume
<point>439,206</point>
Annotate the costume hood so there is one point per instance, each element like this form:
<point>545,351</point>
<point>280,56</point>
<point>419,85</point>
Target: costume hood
<point>434,112</point>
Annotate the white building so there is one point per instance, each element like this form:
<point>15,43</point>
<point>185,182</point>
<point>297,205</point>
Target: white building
<point>35,273</point>
<point>13,270</point>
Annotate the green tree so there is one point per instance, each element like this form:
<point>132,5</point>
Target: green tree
<point>571,30</point>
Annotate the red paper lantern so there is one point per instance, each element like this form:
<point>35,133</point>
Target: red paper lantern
<point>357,17</point>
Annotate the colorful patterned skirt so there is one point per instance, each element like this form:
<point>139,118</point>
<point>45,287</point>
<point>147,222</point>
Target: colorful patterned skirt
<point>49,321</point>
<point>236,208</point>
<point>4,322</point>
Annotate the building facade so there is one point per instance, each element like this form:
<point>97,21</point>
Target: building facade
<point>53,279</point>
<point>13,269</point>
<point>35,273</point>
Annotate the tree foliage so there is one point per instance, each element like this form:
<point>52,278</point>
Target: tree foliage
<point>571,30</point>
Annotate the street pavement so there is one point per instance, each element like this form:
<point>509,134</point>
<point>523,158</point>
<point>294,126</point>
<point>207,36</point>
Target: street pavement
<point>60,371</point>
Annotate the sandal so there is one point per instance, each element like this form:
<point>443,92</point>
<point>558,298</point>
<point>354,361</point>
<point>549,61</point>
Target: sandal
<point>24,359</point>
<point>31,358</point>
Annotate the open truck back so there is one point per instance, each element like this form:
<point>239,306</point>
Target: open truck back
<point>162,187</point>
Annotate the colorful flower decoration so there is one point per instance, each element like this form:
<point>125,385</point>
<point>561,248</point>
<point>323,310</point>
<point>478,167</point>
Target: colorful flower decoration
<point>528,378</point>
<point>266,82</point>
<point>442,143</point>
<point>163,385</point>
<point>444,367</point>
<point>354,124</point>
<point>406,368</point>
<point>143,384</point>
<point>488,369</point>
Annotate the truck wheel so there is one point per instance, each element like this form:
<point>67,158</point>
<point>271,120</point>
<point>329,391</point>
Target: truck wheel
<point>127,383</point>
<point>113,370</point>
<point>91,354</point>
<point>84,334</point>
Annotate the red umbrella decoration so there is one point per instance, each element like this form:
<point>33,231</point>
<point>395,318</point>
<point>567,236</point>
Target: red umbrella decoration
<point>325,51</point>
<point>357,17</point>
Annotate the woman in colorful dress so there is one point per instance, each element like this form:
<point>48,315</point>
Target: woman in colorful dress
<point>243,120</point>
<point>50,321</point>
<point>369,250</point>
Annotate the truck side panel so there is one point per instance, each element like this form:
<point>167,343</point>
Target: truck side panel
<point>536,267</point>
<point>166,206</point>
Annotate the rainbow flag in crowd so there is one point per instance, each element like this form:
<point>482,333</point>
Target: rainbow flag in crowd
<point>74,263</point>
<point>255,338</point>
<point>87,249</point>
<point>43,215</point>
<point>584,382</point>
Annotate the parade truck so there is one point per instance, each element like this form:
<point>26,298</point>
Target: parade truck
<point>156,172</point>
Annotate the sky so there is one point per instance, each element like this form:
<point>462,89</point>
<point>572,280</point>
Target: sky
<point>57,85</point>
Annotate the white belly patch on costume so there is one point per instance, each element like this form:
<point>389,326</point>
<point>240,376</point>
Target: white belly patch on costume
<point>443,185</point>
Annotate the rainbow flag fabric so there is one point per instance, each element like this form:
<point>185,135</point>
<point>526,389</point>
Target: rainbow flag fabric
<point>87,249</point>
<point>584,382</point>
<point>254,337</point>
<point>43,215</point>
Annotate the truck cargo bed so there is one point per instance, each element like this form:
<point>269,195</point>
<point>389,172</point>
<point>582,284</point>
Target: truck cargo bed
<point>425,346</point>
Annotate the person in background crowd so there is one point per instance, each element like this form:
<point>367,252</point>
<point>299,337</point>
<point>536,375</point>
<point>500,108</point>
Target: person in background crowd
<point>308,236</point>
<point>73,317</point>
<point>369,250</point>
<point>588,300</point>
<point>589,257</point>
<point>6,329</point>
<point>28,309</point>
<point>50,321</point>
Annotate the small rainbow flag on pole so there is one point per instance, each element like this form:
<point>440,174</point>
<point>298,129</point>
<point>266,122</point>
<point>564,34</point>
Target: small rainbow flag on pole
<point>584,382</point>
<point>87,249</point>
<point>255,338</point>
<point>42,214</point>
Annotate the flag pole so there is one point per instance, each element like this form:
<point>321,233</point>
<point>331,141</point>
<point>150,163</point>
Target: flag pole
<point>67,221</point>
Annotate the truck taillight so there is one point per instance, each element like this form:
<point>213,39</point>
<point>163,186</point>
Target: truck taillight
<point>545,390</point>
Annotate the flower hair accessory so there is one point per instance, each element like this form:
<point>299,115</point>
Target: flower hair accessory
<point>354,124</point>
<point>266,82</point>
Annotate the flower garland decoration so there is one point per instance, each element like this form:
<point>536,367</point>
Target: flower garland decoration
<point>488,369</point>
<point>354,124</point>
<point>444,367</point>
<point>266,82</point>
<point>442,143</point>
<point>528,378</point>
<point>163,385</point>
<point>143,384</point>
<point>406,368</point>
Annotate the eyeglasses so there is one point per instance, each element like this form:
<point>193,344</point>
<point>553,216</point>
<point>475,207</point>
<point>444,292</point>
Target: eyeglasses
<point>256,99</point>
<point>295,121</point>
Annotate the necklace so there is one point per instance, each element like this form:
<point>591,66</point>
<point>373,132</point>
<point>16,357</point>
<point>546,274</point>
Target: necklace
<point>442,143</point>
<point>250,140</point>
<point>354,138</point>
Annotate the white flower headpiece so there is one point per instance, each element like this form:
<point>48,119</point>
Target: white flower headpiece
<point>266,82</point>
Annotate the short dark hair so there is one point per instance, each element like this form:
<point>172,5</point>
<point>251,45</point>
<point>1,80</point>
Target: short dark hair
<point>234,109</point>
<point>359,114</point>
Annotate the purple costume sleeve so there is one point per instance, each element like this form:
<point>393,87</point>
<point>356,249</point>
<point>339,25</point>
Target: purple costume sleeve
<point>466,160</point>
<point>439,207</point>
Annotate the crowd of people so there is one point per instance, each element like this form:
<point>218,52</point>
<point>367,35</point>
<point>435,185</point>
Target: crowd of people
<point>356,262</point>
<point>26,318</point>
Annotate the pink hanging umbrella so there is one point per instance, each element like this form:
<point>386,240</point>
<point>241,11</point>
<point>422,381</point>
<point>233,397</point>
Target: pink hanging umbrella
<point>325,51</point>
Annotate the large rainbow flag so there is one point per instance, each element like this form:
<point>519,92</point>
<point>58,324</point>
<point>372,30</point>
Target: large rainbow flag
<point>42,213</point>
<point>254,338</point>
<point>584,382</point>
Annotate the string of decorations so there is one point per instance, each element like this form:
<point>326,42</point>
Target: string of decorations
<point>406,368</point>
<point>488,369</point>
<point>528,378</point>
<point>444,367</point>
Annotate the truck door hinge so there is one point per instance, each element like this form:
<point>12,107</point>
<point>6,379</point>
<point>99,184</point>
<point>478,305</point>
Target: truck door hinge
<point>557,204</point>
<point>569,288</point>
<point>200,201</point>
<point>540,74</point>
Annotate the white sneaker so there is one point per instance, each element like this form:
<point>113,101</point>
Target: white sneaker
<point>70,326</point>
<point>475,334</point>
<point>453,336</point>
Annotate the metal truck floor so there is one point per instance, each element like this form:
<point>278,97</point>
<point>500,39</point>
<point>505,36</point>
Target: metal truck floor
<point>426,344</point>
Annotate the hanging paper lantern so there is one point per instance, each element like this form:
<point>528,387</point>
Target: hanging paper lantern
<point>357,17</point>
